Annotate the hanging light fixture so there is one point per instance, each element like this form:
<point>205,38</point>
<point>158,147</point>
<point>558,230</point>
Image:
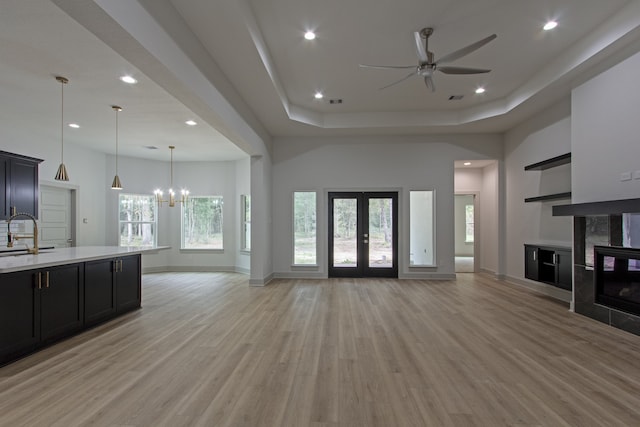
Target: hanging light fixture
<point>62,175</point>
<point>184,194</point>
<point>116,185</point>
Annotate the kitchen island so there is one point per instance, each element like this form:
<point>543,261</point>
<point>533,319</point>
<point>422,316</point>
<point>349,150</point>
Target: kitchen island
<point>60,292</point>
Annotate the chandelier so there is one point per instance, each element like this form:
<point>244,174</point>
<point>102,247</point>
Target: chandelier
<point>171,201</point>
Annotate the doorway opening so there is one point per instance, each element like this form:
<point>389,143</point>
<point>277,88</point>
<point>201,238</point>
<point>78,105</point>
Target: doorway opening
<point>464,219</point>
<point>363,234</point>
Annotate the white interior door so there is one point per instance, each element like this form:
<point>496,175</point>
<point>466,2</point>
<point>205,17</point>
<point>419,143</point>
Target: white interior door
<point>55,219</point>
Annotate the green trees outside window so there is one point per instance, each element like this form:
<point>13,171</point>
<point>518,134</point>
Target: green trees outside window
<point>137,220</point>
<point>202,223</point>
<point>304,228</point>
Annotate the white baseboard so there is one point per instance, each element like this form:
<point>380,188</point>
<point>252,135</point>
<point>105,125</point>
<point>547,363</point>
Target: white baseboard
<point>196,268</point>
<point>427,276</point>
<point>261,282</point>
<point>300,275</point>
<point>557,293</point>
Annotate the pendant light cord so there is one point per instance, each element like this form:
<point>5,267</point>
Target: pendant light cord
<point>62,82</point>
<point>171,183</point>
<point>116,109</point>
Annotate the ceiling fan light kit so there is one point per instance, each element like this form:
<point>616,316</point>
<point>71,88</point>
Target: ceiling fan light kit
<point>427,65</point>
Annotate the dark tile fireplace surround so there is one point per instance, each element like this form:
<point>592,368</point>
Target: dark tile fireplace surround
<point>611,223</point>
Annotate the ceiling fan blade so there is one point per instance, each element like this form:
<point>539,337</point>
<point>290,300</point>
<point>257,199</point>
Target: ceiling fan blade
<point>462,70</point>
<point>466,50</point>
<point>387,67</point>
<point>398,81</point>
<point>421,47</point>
<point>428,80</point>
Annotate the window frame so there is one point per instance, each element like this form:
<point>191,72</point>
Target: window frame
<point>244,222</point>
<point>469,238</point>
<point>182,224</point>
<point>293,229</point>
<point>433,229</point>
<point>154,223</point>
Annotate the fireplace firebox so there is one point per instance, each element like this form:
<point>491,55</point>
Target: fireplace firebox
<point>617,277</point>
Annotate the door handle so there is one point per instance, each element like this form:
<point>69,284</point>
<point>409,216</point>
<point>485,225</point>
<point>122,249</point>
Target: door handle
<point>39,280</point>
<point>46,279</point>
<point>534,255</point>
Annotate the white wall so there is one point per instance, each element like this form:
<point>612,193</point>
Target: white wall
<point>606,134</point>
<point>243,187</point>
<point>468,180</point>
<point>141,176</point>
<point>261,220</point>
<point>490,218</point>
<point>400,163</point>
<point>545,136</point>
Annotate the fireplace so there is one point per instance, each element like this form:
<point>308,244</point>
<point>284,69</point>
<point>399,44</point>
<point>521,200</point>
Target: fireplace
<point>606,282</point>
<point>617,278</point>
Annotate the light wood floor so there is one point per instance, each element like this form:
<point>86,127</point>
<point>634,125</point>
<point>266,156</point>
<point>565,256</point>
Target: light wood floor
<point>208,350</point>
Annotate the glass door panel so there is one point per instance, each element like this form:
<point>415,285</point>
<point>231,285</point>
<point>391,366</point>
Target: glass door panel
<point>380,236</point>
<point>345,233</point>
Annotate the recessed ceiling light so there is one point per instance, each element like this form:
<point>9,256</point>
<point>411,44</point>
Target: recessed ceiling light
<point>480,90</point>
<point>318,95</point>
<point>191,123</point>
<point>309,35</point>
<point>467,163</point>
<point>550,25</point>
<point>128,79</point>
<point>74,125</point>
<point>150,147</point>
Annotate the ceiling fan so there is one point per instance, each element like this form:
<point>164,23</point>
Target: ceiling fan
<point>426,63</point>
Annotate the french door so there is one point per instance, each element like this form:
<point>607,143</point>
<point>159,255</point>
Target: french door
<point>363,234</point>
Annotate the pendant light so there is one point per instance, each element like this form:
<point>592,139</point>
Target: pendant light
<point>62,175</point>
<point>116,185</point>
<point>184,194</point>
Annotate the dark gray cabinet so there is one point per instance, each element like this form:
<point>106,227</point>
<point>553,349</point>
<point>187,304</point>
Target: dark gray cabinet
<point>128,283</point>
<point>112,286</point>
<point>39,306</point>
<point>19,314</point>
<point>18,184</point>
<point>99,292</point>
<point>552,265</point>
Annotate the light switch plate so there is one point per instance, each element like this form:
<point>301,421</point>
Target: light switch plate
<point>625,176</point>
<point>636,175</point>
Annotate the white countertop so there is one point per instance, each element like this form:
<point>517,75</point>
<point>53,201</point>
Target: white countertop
<point>60,256</point>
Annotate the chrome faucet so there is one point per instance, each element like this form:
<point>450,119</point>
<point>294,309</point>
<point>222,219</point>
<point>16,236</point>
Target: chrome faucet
<point>11,237</point>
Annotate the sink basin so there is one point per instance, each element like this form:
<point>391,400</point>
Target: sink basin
<point>24,252</point>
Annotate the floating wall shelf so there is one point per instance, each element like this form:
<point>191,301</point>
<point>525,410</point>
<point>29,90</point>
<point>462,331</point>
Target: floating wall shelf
<point>563,159</point>
<point>557,196</point>
<point>550,163</point>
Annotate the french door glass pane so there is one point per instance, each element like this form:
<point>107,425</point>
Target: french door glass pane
<point>345,229</point>
<point>380,233</point>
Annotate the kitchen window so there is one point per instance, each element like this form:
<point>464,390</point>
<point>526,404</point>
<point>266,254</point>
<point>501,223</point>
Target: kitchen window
<point>137,220</point>
<point>202,223</point>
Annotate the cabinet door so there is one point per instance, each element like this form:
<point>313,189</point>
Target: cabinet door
<point>19,314</point>
<point>4,187</point>
<point>564,266</point>
<point>99,290</point>
<point>531,262</point>
<point>24,186</point>
<point>128,283</point>
<point>61,301</point>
